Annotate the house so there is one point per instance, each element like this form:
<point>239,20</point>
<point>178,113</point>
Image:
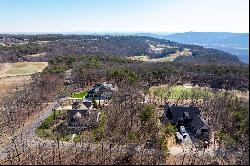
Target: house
<point>187,116</point>
<point>180,115</point>
<point>200,127</point>
<point>82,116</point>
<point>68,77</point>
<point>103,90</point>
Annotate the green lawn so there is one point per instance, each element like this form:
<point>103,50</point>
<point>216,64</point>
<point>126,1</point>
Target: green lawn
<point>47,122</point>
<point>45,130</point>
<point>79,95</point>
<point>45,133</point>
<point>181,92</point>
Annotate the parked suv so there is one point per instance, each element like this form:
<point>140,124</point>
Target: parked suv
<point>183,132</point>
<point>179,137</point>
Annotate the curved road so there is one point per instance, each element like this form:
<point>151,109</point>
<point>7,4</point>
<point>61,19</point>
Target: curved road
<point>29,137</point>
<point>28,133</point>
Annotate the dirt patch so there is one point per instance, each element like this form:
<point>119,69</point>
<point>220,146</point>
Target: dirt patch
<point>10,84</point>
<point>240,94</point>
<point>171,141</point>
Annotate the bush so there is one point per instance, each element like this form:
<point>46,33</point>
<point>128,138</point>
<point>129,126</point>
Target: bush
<point>133,135</point>
<point>169,129</point>
<point>163,145</point>
<point>148,113</point>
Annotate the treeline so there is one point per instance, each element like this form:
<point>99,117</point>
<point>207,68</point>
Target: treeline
<point>92,68</point>
<point>57,44</point>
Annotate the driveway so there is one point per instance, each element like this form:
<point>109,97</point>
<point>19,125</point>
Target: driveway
<point>190,146</point>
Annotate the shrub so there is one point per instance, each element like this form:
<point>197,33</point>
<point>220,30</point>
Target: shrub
<point>148,113</point>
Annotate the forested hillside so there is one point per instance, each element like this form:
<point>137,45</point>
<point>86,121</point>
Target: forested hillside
<point>22,47</point>
<point>128,121</point>
<point>233,43</point>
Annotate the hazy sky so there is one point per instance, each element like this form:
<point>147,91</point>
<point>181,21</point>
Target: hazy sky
<point>124,15</point>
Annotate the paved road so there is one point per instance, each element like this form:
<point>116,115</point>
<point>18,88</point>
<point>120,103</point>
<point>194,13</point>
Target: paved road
<point>29,136</point>
<point>28,133</point>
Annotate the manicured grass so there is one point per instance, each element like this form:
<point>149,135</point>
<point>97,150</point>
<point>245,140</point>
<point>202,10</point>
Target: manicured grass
<point>79,95</point>
<point>180,92</point>
<point>45,130</point>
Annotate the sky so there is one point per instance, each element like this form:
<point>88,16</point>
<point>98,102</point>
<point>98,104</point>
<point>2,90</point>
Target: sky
<point>124,16</point>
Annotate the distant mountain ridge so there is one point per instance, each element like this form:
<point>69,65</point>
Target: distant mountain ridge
<point>234,43</point>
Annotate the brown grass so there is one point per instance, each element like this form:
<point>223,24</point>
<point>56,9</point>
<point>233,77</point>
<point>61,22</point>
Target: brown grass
<point>21,68</point>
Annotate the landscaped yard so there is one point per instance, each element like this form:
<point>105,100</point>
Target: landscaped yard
<point>47,126</point>
<point>48,129</point>
<point>79,95</point>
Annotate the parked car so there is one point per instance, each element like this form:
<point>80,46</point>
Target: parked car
<point>183,132</point>
<point>179,137</point>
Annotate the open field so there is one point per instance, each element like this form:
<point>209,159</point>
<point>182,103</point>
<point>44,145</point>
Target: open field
<point>21,68</point>
<point>187,92</point>
<point>169,58</point>
<point>15,75</point>
<point>181,92</point>
<point>36,55</point>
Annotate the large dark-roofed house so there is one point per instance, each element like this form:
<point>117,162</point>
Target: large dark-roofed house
<point>187,116</point>
<point>104,90</point>
<point>180,115</point>
<point>82,116</point>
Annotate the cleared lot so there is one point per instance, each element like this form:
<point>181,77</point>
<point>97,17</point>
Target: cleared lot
<point>14,75</point>
<point>21,68</point>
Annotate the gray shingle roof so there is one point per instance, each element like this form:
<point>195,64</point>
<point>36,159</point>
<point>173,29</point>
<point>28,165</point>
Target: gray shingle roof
<point>198,122</point>
<point>179,111</point>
